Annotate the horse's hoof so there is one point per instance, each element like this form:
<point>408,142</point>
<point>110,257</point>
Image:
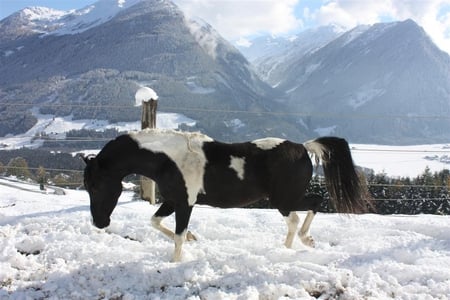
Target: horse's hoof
<point>308,241</point>
<point>190,236</point>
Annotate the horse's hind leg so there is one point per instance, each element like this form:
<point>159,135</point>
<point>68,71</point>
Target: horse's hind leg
<point>303,234</point>
<point>311,202</point>
<point>292,221</point>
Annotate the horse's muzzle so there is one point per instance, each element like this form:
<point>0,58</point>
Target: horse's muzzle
<point>101,223</point>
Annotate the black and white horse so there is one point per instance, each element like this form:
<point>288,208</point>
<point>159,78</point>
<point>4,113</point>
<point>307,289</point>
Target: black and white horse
<point>191,168</point>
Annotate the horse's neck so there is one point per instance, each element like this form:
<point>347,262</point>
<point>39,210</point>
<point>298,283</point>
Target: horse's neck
<point>136,162</point>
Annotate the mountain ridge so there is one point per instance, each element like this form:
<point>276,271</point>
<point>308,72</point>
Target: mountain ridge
<point>388,81</point>
<point>150,42</point>
<point>384,83</point>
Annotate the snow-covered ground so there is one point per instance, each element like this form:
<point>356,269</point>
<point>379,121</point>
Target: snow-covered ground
<point>402,161</point>
<point>50,250</point>
<point>57,127</point>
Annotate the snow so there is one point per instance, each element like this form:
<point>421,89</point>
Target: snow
<point>57,127</point>
<point>234,124</point>
<point>145,94</point>
<point>204,35</point>
<point>323,131</point>
<point>8,53</point>
<point>50,250</point>
<point>364,94</point>
<point>39,13</point>
<point>195,88</point>
<point>354,33</point>
<point>92,15</point>
<point>402,161</point>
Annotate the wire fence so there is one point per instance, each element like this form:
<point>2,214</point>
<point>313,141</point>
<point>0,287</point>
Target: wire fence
<point>317,180</point>
<point>72,139</point>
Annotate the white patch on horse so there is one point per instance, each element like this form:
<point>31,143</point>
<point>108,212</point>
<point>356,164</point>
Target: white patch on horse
<point>184,148</point>
<point>316,150</point>
<point>238,164</point>
<point>268,143</point>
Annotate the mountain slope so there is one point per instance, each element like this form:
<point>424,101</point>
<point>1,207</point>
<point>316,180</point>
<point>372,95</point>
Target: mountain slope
<point>387,83</point>
<point>102,61</point>
<point>271,54</point>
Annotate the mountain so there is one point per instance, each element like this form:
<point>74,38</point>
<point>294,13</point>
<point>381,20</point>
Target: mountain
<point>387,83</point>
<point>270,54</point>
<point>100,55</point>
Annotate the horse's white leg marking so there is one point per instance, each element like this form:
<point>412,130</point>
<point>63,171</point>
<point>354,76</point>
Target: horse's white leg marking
<point>237,164</point>
<point>179,240</point>
<point>156,223</point>
<point>304,231</point>
<point>292,222</point>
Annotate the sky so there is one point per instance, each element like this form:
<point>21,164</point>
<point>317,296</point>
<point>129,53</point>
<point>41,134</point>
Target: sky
<point>239,20</point>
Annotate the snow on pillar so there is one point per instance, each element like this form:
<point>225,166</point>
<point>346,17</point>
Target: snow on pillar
<point>149,100</point>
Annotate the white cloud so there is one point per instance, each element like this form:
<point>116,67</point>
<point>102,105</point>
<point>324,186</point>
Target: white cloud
<point>239,18</point>
<point>243,42</point>
<point>350,13</point>
<point>432,15</point>
<point>236,19</point>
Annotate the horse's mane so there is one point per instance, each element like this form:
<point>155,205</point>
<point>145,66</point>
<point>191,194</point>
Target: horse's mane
<point>114,148</point>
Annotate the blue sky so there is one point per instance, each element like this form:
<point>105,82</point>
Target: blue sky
<point>241,19</point>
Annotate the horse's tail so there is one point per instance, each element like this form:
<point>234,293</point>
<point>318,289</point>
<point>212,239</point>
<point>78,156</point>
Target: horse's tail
<point>346,190</point>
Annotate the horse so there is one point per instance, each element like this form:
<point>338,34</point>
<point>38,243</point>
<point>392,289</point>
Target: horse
<point>191,168</point>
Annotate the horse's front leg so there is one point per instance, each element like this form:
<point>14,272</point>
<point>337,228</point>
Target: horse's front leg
<point>182,216</point>
<point>164,211</point>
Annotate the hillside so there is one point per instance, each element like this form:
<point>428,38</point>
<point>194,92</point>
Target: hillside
<point>99,56</point>
<point>387,83</point>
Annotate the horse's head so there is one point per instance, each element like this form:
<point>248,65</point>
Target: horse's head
<point>104,188</point>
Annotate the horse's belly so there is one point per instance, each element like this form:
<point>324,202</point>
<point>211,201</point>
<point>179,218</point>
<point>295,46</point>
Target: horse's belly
<point>231,197</point>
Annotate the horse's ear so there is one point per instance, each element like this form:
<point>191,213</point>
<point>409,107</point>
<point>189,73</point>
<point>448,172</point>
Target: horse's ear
<point>86,158</point>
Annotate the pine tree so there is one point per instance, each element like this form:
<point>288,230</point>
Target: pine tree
<point>18,167</point>
<point>41,177</point>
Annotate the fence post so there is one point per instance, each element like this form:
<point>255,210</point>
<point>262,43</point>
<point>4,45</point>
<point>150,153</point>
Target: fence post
<point>149,101</point>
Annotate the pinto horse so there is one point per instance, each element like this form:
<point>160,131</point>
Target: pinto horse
<point>191,168</point>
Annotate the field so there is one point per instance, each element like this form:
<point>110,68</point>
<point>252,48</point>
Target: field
<point>49,249</point>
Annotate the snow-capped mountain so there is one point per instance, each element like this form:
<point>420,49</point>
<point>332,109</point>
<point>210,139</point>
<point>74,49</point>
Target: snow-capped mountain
<point>43,20</point>
<point>271,54</point>
<point>101,54</point>
<point>386,82</point>
<point>29,21</point>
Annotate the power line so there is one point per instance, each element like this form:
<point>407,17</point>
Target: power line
<point>208,110</point>
<point>46,169</point>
